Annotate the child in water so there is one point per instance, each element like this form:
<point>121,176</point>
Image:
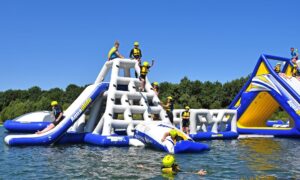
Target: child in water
<point>170,167</point>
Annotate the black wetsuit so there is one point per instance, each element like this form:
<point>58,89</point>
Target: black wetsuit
<point>56,111</point>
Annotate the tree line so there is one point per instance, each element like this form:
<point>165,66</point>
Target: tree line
<point>196,94</point>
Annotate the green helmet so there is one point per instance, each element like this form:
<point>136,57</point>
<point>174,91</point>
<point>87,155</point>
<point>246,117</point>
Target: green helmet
<point>173,133</point>
<point>168,161</point>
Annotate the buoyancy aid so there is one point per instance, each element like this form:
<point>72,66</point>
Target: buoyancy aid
<point>277,69</point>
<point>294,70</point>
<point>144,70</point>
<point>136,52</point>
<point>186,115</point>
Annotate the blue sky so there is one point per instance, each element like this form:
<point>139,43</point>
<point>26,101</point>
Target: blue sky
<point>54,43</point>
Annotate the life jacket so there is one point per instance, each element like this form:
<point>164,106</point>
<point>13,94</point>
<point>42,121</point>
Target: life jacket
<point>136,52</point>
<point>170,107</point>
<point>294,70</point>
<point>277,69</point>
<point>167,170</point>
<point>186,115</point>
<point>170,170</point>
<point>144,70</point>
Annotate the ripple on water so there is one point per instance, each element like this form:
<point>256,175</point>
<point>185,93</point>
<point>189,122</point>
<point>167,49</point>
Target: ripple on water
<point>232,159</point>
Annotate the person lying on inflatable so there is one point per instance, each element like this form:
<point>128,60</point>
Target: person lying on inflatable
<point>175,136</point>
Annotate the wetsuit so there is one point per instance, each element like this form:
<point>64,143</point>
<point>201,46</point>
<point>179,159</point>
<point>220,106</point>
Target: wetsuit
<point>56,111</point>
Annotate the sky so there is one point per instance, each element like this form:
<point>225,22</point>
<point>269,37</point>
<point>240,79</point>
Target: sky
<point>55,43</point>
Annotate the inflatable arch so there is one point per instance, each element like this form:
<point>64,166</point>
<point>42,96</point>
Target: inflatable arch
<point>263,94</point>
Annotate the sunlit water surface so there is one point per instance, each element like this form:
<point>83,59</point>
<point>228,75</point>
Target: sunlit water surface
<point>231,159</point>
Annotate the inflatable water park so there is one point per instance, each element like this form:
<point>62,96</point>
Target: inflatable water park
<point>117,113</point>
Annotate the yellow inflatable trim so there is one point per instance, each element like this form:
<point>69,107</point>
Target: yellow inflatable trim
<point>262,69</point>
<point>258,112</point>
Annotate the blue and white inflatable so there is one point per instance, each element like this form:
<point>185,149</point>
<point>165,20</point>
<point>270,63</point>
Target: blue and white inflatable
<point>77,108</point>
<point>30,122</point>
<point>151,134</point>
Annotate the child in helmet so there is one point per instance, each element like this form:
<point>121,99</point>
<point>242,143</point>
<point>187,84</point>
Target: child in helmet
<point>170,167</point>
<point>155,88</point>
<point>277,68</point>
<point>143,72</point>
<point>58,114</point>
<point>186,120</point>
<point>169,106</point>
<point>174,136</point>
<point>136,54</point>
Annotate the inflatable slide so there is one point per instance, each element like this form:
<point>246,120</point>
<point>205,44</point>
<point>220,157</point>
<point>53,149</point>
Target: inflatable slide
<point>266,92</point>
<point>76,109</point>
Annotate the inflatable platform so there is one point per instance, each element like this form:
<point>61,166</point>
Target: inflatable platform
<point>115,110</point>
<point>30,122</point>
<point>265,92</point>
<point>151,134</point>
<point>208,124</point>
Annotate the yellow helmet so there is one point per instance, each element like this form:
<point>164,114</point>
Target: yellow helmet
<point>170,97</point>
<point>173,133</point>
<point>187,107</point>
<point>54,103</point>
<point>145,63</point>
<point>155,83</point>
<point>136,43</point>
<point>168,161</point>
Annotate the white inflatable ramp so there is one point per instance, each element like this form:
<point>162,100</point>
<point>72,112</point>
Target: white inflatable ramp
<point>75,110</point>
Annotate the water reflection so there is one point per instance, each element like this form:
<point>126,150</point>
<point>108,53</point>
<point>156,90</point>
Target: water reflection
<point>259,154</point>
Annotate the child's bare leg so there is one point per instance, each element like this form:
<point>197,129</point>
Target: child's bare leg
<point>48,128</point>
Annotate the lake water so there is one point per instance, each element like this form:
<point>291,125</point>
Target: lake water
<point>231,159</point>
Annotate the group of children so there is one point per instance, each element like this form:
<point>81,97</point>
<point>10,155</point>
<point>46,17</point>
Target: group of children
<point>294,72</point>
<point>136,54</point>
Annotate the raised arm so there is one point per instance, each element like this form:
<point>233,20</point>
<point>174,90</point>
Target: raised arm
<point>165,136</point>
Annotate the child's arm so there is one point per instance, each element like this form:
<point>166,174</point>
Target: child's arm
<point>165,136</point>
